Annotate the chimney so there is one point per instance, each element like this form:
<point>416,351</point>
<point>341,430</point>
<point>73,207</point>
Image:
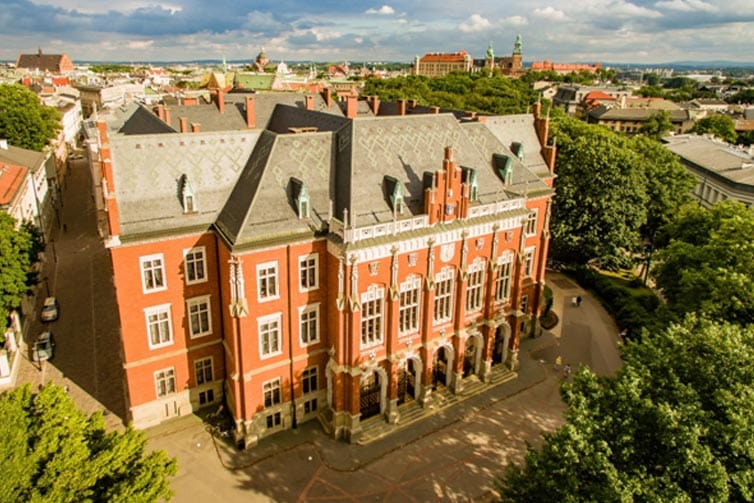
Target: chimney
<point>411,104</point>
<point>537,109</point>
<point>435,110</point>
<point>449,154</point>
<point>161,112</point>
<point>374,103</point>
<point>251,117</point>
<point>470,115</point>
<point>328,98</point>
<point>167,116</point>
<point>351,106</point>
<point>221,101</point>
<point>184,125</point>
<point>309,102</point>
<point>195,127</point>
<point>401,107</point>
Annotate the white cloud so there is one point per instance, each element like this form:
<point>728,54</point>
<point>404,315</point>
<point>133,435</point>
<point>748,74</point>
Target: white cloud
<point>515,21</point>
<point>140,44</point>
<point>474,23</point>
<point>686,5</point>
<point>550,13</point>
<point>385,10</point>
<point>616,9</point>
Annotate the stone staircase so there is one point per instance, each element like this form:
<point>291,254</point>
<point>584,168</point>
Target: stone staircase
<point>376,428</point>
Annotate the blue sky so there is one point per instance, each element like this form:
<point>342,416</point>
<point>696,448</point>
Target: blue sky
<point>630,31</point>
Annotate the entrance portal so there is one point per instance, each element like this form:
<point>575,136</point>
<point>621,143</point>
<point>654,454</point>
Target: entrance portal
<point>469,357</point>
<point>369,396</point>
<point>500,350</point>
<point>440,368</point>
<point>406,382</point>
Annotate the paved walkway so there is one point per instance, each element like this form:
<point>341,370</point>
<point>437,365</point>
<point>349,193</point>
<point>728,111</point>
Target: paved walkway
<point>453,455</point>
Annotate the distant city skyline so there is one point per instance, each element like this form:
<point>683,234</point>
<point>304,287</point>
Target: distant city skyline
<point>583,31</point>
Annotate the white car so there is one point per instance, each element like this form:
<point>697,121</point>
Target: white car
<point>44,348</point>
<point>50,309</point>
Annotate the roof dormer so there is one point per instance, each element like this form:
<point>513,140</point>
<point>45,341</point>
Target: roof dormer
<point>518,150</point>
<point>394,189</point>
<point>188,198</point>
<point>504,167</point>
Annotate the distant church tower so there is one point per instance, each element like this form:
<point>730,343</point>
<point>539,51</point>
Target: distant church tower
<point>516,63</point>
<point>489,60</point>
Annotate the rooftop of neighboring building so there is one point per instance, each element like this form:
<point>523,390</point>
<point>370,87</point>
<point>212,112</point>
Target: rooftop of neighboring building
<point>714,156</point>
<point>607,113</point>
<point>11,178</point>
<point>445,57</point>
<point>21,156</point>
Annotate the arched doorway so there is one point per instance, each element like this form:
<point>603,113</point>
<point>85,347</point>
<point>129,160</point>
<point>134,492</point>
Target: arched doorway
<point>370,395</point>
<point>471,356</point>
<point>408,380</point>
<point>440,367</point>
<point>500,349</point>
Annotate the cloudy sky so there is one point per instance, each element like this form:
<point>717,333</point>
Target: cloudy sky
<point>630,31</point>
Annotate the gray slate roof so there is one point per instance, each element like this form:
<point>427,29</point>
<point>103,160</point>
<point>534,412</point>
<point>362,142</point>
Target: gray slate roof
<point>714,156</point>
<point>147,172</point>
<point>23,157</point>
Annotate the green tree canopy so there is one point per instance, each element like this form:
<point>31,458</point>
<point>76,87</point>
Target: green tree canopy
<point>17,247</point>
<point>24,122</point>
<point>657,125</point>
<point>707,264</point>
<point>457,90</point>
<point>50,451</point>
<point>601,195</point>
<point>674,425</point>
<point>721,126</point>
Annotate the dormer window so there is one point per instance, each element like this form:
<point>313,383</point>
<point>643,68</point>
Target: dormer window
<point>300,198</point>
<point>504,166</point>
<point>518,149</point>
<point>471,180</point>
<point>395,191</point>
<point>188,199</point>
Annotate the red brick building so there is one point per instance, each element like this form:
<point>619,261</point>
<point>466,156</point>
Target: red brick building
<point>319,264</point>
<point>48,63</point>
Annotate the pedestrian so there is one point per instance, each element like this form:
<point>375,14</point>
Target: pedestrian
<point>65,228</point>
<point>567,371</point>
<point>578,300</point>
<point>558,362</point>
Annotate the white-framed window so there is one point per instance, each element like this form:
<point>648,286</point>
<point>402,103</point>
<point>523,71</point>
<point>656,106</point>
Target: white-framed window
<point>524,303</point>
<point>153,273</point>
<point>164,382</point>
<point>308,317</point>
<point>274,420</point>
<point>270,342</point>
<point>503,281</point>
<point>530,227</point>
<point>200,316</point>
<point>309,382</point>
<point>310,406</point>
<point>159,326</point>
<point>443,308</point>
<point>475,285</point>
<point>203,371</point>
<point>371,315</point>
<point>410,300</point>
<point>267,281</point>
<point>529,261</point>
<point>271,390</point>
<point>195,265</point>
<point>308,267</point>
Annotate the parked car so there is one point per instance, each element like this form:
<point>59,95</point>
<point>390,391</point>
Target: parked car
<point>44,348</point>
<point>50,309</point>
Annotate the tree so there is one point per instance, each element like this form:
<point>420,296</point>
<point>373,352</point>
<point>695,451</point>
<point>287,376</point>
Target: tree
<point>24,122</point>
<point>17,253</point>
<point>50,451</point>
<point>668,184</point>
<point>657,125</point>
<point>601,198</point>
<point>670,426</point>
<point>707,262</point>
<point>721,126</point>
